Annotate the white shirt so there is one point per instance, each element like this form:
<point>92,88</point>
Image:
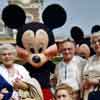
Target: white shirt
<point>69,73</point>
<point>22,74</point>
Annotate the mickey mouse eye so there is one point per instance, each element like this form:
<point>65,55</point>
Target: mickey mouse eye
<point>32,50</point>
<point>28,39</point>
<point>41,40</point>
<point>40,50</point>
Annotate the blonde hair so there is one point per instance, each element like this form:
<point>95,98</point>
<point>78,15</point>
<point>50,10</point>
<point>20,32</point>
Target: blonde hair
<point>96,34</point>
<point>8,47</point>
<point>64,87</point>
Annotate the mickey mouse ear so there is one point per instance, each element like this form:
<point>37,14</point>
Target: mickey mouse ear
<point>13,16</point>
<point>77,33</point>
<point>54,16</point>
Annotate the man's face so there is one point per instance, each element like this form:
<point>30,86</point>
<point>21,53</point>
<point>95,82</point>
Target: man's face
<point>68,50</point>
<point>95,42</point>
<point>63,95</point>
<point>7,57</point>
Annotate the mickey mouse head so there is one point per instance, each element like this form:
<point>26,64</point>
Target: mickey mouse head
<point>34,39</point>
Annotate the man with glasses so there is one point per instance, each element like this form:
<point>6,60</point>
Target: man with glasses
<point>68,71</point>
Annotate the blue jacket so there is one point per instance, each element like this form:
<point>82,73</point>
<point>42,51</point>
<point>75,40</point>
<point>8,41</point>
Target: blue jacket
<point>5,84</point>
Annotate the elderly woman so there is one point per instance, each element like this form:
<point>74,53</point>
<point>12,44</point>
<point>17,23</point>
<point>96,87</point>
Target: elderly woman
<point>91,72</point>
<point>17,75</point>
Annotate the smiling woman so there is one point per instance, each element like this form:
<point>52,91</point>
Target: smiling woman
<point>17,76</point>
<point>91,72</point>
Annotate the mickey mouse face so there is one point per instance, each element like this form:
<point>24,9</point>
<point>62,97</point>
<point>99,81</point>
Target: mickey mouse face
<point>35,42</point>
<point>35,37</point>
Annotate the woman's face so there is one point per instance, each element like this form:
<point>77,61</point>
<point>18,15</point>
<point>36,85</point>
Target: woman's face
<point>95,42</point>
<point>63,95</point>
<point>7,58</point>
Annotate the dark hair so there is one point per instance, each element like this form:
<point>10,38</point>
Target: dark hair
<point>95,28</point>
<point>77,33</point>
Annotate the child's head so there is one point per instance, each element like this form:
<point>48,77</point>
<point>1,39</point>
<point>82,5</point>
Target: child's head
<point>64,92</point>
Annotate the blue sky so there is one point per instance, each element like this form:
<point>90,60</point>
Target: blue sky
<point>2,4</point>
<point>82,13</point>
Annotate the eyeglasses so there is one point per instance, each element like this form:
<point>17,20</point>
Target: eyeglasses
<point>64,49</point>
<point>4,54</point>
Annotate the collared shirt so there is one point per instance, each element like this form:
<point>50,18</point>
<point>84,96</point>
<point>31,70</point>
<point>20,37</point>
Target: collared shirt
<point>69,73</point>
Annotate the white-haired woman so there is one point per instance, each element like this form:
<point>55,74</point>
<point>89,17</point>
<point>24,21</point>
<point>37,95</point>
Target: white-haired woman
<point>16,74</point>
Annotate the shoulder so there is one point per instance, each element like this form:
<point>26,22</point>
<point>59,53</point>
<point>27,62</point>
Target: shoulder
<point>19,67</point>
<point>1,67</point>
<point>59,64</point>
<point>92,58</point>
<point>79,59</point>
<point>21,70</point>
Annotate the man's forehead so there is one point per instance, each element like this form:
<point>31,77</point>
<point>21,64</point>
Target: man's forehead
<point>68,44</point>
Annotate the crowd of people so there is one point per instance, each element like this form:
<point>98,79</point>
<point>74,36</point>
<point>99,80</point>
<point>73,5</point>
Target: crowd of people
<point>74,78</point>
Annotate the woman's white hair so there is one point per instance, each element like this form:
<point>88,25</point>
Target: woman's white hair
<point>8,47</point>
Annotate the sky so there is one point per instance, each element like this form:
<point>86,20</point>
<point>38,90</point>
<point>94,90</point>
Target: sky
<point>82,13</point>
<point>3,3</point>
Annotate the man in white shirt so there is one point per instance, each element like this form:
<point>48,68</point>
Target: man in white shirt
<point>69,70</point>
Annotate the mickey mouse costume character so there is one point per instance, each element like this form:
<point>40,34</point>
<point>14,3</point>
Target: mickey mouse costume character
<point>35,41</point>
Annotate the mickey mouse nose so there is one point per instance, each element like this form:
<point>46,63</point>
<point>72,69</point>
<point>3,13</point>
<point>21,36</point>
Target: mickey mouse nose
<point>36,59</point>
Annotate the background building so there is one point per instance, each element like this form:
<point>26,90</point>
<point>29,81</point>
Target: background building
<point>32,9</point>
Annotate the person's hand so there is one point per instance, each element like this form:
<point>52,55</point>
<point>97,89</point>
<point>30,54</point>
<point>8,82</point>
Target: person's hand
<point>18,84</point>
<point>86,84</point>
<point>1,96</point>
<point>4,90</point>
<point>93,81</point>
